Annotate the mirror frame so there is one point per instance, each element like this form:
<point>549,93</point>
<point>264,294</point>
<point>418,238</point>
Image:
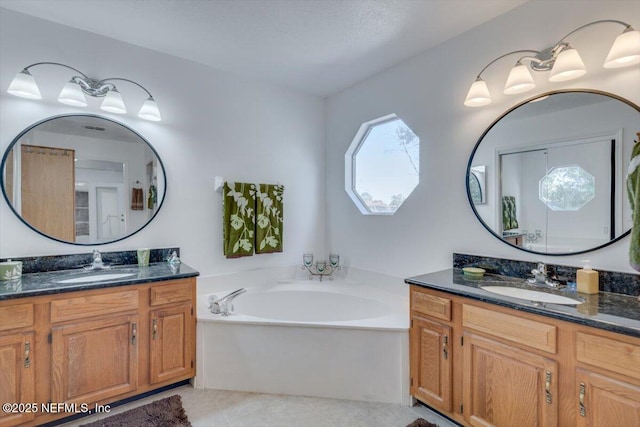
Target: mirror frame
<point>29,128</point>
<point>475,148</point>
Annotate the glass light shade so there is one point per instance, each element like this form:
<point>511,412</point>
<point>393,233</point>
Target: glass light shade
<point>113,102</point>
<point>625,50</point>
<point>72,94</point>
<point>150,111</point>
<point>568,66</point>
<point>520,80</point>
<point>24,86</point>
<point>478,94</point>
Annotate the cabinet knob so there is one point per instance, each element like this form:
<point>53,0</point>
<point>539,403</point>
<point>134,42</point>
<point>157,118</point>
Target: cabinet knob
<point>27,354</point>
<point>134,333</point>
<point>445,342</point>
<point>155,329</point>
<point>547,387</point>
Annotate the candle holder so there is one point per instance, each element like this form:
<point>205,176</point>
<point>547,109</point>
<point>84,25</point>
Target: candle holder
<point>321,268</point>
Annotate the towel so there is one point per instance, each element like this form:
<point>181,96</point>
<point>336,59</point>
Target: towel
<point>509,219</point>
<point>633,191</point>
<point>137,197</point>
<point>269,219</point>
<point>239,219</point>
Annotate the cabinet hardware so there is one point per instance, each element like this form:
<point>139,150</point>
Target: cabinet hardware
<point>27,354</point>
<point>462,341</point>
<point>445,341</point>
<point>583,412</point>
<point>134,333</point>
<point>155,329</point>
<point>461,408</point>
<point>547,387</point>
<point>50,338</point>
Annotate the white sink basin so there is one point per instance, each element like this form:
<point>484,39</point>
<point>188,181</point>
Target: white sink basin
<point>531,295</point>
<point>97,278</point>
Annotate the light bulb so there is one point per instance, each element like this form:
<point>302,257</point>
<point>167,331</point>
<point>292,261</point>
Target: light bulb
<point>72,94</point>
<point>24,86</point>
<point>113,102</point>
<point>520,80</point>
<point>625,50</point>
<point>150,111</point>
<point>478,94</point>
<point>568,66</point>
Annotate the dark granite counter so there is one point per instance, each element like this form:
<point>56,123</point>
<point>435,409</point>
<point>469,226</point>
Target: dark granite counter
<point>44,283</point>
<point>613,312</point>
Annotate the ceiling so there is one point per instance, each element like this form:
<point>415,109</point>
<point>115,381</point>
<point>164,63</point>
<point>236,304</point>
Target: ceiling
<point>316,46</point>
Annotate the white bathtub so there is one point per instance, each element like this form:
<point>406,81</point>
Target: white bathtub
<point>332,339</point>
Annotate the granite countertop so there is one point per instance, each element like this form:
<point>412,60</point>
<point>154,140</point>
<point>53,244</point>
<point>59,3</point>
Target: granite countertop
<point>613,312</point>
<point>34,284</point>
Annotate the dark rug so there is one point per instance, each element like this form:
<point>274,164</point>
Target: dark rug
<point>167,412</point>
<point>421,422</point>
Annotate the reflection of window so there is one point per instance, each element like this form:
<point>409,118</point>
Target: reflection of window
<point>475,189</point>
<point>567,188</point>
<point>382,165</point>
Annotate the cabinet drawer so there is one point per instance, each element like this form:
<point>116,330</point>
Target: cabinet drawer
<point>431,305</point>
<point>93,305</point>
<point>16,316</point>
<point>516,329</point>
<point>608,353</point>
<point>165,294</point>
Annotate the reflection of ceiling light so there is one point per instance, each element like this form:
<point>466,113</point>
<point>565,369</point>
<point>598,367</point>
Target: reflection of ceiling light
<point>74,91</point>
<point>563,60</point>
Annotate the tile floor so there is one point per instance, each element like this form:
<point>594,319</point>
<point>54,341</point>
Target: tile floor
<point>218,408</point>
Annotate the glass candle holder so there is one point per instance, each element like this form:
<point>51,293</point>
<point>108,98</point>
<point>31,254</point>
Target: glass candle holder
<point>307,260</point>
<point>321,266</point>
<point>334,260</point>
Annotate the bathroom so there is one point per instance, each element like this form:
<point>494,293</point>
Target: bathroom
<point>248,128</point>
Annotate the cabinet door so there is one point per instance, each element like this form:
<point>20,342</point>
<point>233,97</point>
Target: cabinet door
<point>431,363</point>
<point>603,401</point>
<point>505,386</point>
<point>172,343</point>
<point>17,377</point>
<point>94,360</point>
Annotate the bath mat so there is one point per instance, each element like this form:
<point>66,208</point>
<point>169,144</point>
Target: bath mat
<point>421,422</point>
<point>167,412</point>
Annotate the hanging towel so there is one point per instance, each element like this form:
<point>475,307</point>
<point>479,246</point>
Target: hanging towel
<point>238,203</point>
<point>633,191</point>
<point>269,219</point>
<point>509,219</point>
<point>152,199</point>
<point>137,199</point>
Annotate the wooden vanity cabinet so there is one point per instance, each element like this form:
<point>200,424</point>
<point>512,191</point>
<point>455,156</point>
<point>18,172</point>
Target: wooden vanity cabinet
<point>510,368</point>
<point>95,346</point>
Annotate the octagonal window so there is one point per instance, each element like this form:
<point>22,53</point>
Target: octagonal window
<point>567,188</point>
<point>382,165</point>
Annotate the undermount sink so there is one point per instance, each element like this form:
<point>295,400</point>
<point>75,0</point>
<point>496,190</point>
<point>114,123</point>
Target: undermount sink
<point>97,278</point>
<point>529,295</point>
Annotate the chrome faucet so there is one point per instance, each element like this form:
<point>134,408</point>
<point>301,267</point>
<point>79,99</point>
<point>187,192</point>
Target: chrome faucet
<point>97,263</point>
<point>223,305</point>
<point>541,276</point>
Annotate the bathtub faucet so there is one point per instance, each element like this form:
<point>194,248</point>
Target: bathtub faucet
<point>223,305</point>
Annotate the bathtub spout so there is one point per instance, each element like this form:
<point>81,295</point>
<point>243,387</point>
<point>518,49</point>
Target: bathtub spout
<point>223,305</point>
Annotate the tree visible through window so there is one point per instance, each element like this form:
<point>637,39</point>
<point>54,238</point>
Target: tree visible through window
<point>567,188</point>
<point>385,168</point>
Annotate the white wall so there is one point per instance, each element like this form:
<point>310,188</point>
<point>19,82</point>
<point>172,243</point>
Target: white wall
<point>214,123</point>
<point>427,92</point>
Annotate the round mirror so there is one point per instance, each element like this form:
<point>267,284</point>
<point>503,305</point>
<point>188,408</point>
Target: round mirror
<point>82,179</point>
<point>553,172</point>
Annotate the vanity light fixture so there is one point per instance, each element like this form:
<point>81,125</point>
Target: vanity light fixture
<point>74,91</point>
<point>562,60</point>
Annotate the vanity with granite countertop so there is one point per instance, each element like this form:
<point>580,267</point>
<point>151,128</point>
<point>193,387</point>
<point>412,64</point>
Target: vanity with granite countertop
<point>87,338</point>
<point>486,359</point>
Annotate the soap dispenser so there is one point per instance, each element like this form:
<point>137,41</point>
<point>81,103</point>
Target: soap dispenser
<point>587,279</point>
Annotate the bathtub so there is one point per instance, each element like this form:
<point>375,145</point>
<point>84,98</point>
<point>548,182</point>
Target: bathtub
<point>334,339</point>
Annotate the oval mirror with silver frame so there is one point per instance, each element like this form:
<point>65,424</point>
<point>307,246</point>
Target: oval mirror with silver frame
<point>83,179</point>
<point>555,169</point>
